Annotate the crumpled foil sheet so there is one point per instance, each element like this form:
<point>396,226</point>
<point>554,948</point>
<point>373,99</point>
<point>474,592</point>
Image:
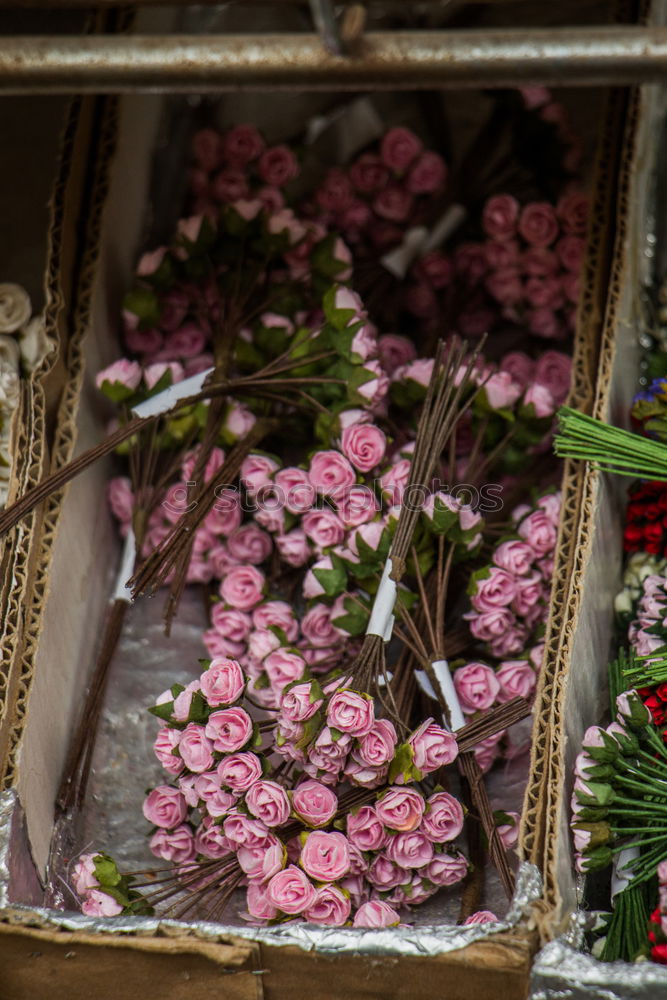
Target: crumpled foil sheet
<point>562,972</point>
<point>124,767</point>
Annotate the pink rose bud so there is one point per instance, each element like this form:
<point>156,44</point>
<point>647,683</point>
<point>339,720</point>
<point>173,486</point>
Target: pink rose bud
<point>384,874</point>
<point>476,686</point>
<point>99,904</point>
<point>515,557</point>
<point>330,908</point>
<point>517,678</point>
<point>243,587</point>
<point>509,832</point>
<point>165,807</point>
<point>553,370</point>
<point>400,809</point>
<point>279,614</point>
<point>325,856</point>
<point>211,841</point>
<point>447,869</point>
<point>572,211</point>
<point>268,801</point>
<point>195,748</point>
<point>330,473</point>
<point>357,506</point>
<point>395,351</point>
<point>244,831</point>
<point>294,548</point>
<point>368,174</point>
<point>364,445</point>
<point>298,704</point>
<point>314,803</point>
<point>394,203</point>
<point>259,905</point>
<point>278,166</point>
<point>480,917</point>
<point>261,863</point>
<point>257,472</point>
<point>410,850</point>
<point>502,391</point>
<point>177,846</point>
<point>376,914</point>
<point>242,144</point>
<point>539,397</point>
<point>83,874</point>
<point>399,148</point>
<point>240,771</point>
<point>290,891</point>
<point>351,712</point>
<point>249,544</point>
<point>298,492</point>
<point>282,668</point>
<point>427,175</point>
<point>538,224</point>
<point>165,742</point>
<point>324,528</point>
<point>378,745</point>
<point>433,747</point>
<point>496,590</point>
<point>539,531</point>
<point>121,498</point>
<point>443,819</point>
<point>500,217</point>
<point>153,373</point>
<point>490,624</point>
<point>317,628</point>
<point>365,829</point>
<point>121,372</point>
<point>148,342</point>
<point>223,683</point>
<point>229,729</point>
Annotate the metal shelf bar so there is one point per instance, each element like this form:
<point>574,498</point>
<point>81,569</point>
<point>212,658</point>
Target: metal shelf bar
<point>588,56</point>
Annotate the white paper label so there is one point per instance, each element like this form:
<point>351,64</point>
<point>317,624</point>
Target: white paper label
<point>444,679</point>
<point>424,682</point>
<point>122,592</point>
<point>419,241</point>
<point>163,401</point>
<point>620,877</point>
<point>381,621</point>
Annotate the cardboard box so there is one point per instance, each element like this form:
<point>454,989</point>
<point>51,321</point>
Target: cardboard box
<point>65,956</point>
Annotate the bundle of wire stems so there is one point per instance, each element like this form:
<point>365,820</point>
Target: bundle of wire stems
<point>444,405</point>
<point>609,448</point>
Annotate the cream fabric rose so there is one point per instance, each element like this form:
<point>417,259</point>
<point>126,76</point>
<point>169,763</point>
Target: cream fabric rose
<point>9,386</point>
<point>34,343</point>
<point>15,307</point>
<point>10,352</point>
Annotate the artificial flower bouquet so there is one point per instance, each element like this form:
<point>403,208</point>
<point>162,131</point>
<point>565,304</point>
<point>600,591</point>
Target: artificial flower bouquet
<point>371,514</point>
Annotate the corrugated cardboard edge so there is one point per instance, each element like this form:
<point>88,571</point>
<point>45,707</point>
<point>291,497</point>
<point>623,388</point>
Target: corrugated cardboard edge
<point>20,547</point>
<point>65,429</point>
<point>590,322</point>
<point>555,777</point>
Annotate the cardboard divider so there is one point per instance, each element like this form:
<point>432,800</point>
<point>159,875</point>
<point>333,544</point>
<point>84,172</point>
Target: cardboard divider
<point>580,682</point>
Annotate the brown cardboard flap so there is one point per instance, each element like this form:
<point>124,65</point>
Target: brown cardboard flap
<point>68,966</point>
<point>36,964</point>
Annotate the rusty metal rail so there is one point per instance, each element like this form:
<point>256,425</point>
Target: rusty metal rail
<point>592,56</point>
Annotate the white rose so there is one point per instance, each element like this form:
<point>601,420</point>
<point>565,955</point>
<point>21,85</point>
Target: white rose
<point>15,307</point>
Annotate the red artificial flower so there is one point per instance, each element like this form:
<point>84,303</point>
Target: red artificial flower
<point>659,953</point>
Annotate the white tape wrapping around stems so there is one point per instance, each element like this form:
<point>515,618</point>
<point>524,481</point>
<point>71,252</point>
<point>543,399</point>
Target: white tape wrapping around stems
<point>163,401</point>
<point>381,621</point>
<point>446,685</point>
<point>419,240</point>
<point>121,591</point>
<point>620,876</point>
